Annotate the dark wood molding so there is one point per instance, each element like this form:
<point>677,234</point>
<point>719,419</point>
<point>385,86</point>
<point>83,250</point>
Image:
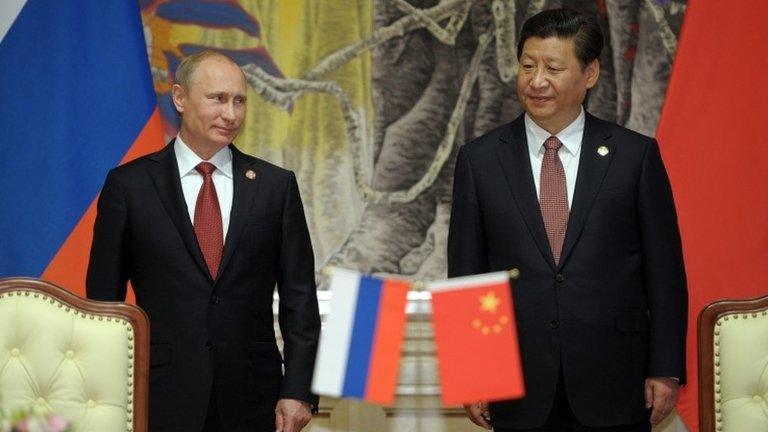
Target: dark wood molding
<point>133,314</point>
<point>707,322</point>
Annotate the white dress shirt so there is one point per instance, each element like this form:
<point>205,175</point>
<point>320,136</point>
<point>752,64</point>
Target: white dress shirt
<point>192,181</point>
<point>569,153</point>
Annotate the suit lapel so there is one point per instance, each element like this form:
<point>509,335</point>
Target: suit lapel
<point>244,191</point>
<point>592,169</point>
<point>165,177</point>
<point>516,164</point>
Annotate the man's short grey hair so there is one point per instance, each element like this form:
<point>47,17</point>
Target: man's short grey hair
<point>188,65</point>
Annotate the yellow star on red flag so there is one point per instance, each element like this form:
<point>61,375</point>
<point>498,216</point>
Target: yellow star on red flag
<point>489,302</point>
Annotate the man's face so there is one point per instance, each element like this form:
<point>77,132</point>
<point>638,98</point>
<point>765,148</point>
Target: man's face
<point>551,84</point>
<point>213,105</point>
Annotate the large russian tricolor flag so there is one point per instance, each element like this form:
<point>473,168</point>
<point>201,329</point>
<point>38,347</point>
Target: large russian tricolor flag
<point>360,345</point>
<point>76,98</point>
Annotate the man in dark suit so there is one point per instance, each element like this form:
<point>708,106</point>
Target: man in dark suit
<point>204,233</point>
<point>583,208</point>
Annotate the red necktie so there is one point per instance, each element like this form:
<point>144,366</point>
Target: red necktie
<point>208,227</point>
<point>554,196</point>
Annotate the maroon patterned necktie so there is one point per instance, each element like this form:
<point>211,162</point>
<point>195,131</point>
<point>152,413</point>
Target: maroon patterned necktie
<point>208,227</point>
<point>553,196</point>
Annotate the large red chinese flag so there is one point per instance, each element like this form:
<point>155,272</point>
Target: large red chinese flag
<point>476,339</point>
<point>713,135</point>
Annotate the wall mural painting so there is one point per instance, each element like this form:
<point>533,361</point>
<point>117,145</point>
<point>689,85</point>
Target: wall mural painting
<point>368,101</point>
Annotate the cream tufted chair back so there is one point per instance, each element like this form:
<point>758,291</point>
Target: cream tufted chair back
<point>83,359</point>
<point>733,366</point>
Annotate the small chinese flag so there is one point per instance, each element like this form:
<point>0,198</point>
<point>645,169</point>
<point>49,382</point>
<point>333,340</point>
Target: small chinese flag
<point>476,339</point>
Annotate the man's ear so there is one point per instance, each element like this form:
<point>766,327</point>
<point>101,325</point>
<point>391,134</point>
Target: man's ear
<point>593,72</point>
<point>179,97</point>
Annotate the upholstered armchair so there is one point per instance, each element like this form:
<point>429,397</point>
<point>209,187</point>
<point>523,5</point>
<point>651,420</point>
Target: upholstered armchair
<point>733,366</point>
<point>83,359</point>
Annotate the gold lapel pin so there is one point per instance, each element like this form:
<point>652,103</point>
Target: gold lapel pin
<point>602,151</point>
<point>250,174</point>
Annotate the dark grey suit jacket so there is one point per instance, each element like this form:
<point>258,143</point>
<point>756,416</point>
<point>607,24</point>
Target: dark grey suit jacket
<point>614,311</point>
<point>211,335</point>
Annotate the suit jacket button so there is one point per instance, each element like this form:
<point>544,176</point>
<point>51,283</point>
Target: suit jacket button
<point>208,345</point>
<point>559,277</point>
<point>215,299</point>
<point>554,324</point>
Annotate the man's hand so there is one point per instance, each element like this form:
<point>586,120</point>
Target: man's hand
<point>479,414</point>
<point>661,394</point>
<point>292,415</point>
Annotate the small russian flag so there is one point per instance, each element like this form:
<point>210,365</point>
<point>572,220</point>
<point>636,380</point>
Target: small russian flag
<point>360,346</point>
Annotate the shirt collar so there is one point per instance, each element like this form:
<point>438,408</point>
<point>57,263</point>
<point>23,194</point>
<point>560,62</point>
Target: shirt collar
<point>188,160</point>
<point>570,136</point>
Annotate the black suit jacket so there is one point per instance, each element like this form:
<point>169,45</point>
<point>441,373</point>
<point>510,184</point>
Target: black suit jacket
<point>613,312</point>
<point>210,334</point>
